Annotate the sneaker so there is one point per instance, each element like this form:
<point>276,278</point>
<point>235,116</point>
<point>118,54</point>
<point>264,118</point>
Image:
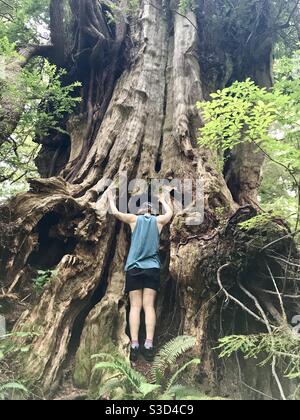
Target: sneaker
<point>134,354</point>
<point>148,354</point>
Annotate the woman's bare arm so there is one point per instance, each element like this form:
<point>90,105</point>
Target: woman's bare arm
<point>165,218</point>
<point>130,219</point>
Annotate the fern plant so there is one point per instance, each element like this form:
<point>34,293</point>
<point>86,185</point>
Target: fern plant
<point>136,380</point>
<point>127,383</point>
<point>7,389</point>
<point>10,348</point>
<point>168,355</point>
<point>283,344</point>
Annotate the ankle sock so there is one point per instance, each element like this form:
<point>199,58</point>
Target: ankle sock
<point>148,344</point>
<point>135,344</point>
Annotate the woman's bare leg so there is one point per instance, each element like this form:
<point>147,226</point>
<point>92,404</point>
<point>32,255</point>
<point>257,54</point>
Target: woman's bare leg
<point>136,303</point>
<point>149,296</point>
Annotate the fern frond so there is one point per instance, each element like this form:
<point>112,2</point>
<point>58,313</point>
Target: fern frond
<point>148,389</point>
<point>168,355</point>
<point>109,387</point>
<point>282,344</point>
<point>14,386</point>
<point>118,364</point>
<point>179,371</point>
<point>105,356</point>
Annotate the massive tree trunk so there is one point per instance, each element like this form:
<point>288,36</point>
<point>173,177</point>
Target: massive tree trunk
<point>141,77</point>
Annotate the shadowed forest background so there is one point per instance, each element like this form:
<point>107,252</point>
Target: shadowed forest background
<point>192,89</point>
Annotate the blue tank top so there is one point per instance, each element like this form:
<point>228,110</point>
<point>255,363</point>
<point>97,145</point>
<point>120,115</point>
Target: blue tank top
<point>144,250</point>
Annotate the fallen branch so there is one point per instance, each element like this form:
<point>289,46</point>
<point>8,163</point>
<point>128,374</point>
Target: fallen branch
<point>269,327</point>
<point>278,293</point>
<point>284,261</point>
<point>290,235</point>
<point>230,297</point>
<point>270,292</point>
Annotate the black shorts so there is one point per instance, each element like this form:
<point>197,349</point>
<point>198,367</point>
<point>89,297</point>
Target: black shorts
<point>138,279</point>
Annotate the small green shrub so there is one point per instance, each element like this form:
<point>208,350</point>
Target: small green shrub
<point>43,277</point>
<point>127,383</point>
<point>282,343</point>
<point>12,386</point>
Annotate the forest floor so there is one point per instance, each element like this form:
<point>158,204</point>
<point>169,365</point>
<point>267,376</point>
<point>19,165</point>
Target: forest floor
<point>143,367</point>
<point>68,391</point>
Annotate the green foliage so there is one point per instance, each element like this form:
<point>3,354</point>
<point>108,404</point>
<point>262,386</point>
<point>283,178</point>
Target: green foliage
<point>169,389</point>
<point>127,383</point>
<point>256,222</point>
<point>134,5</point>
<point>25,21</point>
<point>7,48</point>
<point>287,90</point>
<point>283,344</point>
<point>240,113</point>
<point>185,6</point>
<point>9,344</point>
<point>46,101</point>
<point>11,386</point>
<point>43,278</point>
<point>137,381</point>
<point>113,10</point>
<point>6,390</point>
<point>17,161</point>
<point>133,8</point>
<point>221,215</point>
<point>117,9</point>
<point>277,192</point>
<point>231,344</point>
<point>245,113</point>
<point>37,92</point>
<point>283,144</point>
<point>169,354</point>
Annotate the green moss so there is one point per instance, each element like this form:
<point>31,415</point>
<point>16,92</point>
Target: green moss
<point>97,338</point>
<point>259,232</point>
<point>84,375</point>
